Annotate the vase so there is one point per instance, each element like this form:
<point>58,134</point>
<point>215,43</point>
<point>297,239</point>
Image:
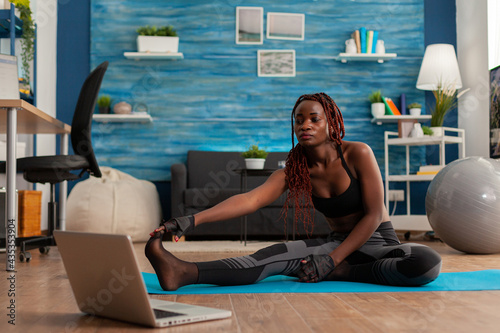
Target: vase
<point>255,163</point>
<point>378,110</point>
<point>437,130</point>
<point>417,131</point>
<point>415,111</point>
<point>157,44</point>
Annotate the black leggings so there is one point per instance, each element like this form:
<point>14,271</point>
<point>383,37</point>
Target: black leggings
<point>381,260</point>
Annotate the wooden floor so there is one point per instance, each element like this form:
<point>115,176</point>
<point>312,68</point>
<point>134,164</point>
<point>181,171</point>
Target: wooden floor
<point>45,303</point>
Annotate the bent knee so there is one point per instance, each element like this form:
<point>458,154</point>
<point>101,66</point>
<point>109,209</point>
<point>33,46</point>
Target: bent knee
<point>422,266</point>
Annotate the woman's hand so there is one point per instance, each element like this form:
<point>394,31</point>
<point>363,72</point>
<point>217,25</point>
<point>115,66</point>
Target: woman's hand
<point>315,268</point>
<point>177,226</point>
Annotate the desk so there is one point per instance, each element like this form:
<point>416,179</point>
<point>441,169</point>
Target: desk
<point>18,116</point>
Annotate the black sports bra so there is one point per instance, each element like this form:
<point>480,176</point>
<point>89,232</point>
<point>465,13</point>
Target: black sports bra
<point>344,204</point>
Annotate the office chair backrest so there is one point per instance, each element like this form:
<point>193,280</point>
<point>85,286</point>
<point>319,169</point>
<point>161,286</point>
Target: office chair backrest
<point>81,137</point>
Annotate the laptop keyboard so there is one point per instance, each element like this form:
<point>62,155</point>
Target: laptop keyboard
<point>159,314</point>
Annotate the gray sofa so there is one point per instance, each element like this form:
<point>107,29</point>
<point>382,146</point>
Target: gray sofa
<point>209,177</point>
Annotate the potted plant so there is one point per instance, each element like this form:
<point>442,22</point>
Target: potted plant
<point>446,97</point>
<point>415,109</point>
<point>255,157</point>
<point>157,40</point>
<point>104,104</point>
<point>378,106</point>
<point>28,36</point>
<point>427,130</point>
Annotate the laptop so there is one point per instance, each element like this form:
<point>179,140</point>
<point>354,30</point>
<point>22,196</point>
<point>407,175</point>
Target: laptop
<point>104,274</point>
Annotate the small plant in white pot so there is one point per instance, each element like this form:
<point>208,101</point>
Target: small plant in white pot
<point>378,106</point>
<point>415,109</point>
<point>157,40</point>
<point>255,158</point>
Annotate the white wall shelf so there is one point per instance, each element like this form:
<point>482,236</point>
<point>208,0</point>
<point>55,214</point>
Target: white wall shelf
<point>378,57</point>
<point>408,221</point>
<point>153,56</point>
<point>395,119</point>
<point>123,118</point>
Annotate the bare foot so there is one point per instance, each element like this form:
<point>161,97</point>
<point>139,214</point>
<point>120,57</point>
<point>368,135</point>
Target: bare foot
<point>172,273</point>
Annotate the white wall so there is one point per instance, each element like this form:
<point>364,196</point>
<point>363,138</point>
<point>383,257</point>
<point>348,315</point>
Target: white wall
<point>45,16</point>
<point>472,52</point>
<point>493,33</point>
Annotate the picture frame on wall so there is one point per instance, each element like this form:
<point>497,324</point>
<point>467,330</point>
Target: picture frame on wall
<point>276,63</point>
<point>249,25</point>
<point>285,26</point>
<point>495,112</point>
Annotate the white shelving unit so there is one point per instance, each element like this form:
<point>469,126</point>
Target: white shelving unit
<point>409,221</point>
<point>395,119</point>
<point>123,118</point>
<point>378,57</point>
<point>153,56</point>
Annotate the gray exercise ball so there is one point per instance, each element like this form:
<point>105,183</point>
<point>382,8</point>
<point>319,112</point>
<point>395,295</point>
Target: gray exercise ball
<point>463,205</point>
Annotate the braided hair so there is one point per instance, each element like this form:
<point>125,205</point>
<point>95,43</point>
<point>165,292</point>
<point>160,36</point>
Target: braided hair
<point>296,170</point>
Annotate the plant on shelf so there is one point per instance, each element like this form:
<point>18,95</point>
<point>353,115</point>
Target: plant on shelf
<point>28,37</point>
<point>378,106</point>
<point>104,103</point>
<point>446,97</point>
<point>255,157</point>
<point>427,130</point>
<point>154,31</point>
<point>415,109</point>
<point>151,39</point>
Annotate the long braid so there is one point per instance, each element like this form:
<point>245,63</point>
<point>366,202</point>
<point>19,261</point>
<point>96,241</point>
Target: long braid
<point>296,168</point>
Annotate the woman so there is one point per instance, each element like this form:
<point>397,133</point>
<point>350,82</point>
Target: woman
<point>341,179</point>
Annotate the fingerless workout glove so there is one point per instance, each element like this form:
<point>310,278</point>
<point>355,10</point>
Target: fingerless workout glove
<point>179,225</point>
<point>315,268</point>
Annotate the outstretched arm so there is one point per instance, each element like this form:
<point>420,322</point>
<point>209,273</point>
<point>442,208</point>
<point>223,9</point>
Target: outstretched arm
<point>245,203</point>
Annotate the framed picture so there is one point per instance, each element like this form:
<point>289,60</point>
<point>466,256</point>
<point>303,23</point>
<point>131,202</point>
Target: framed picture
<point>276,62</point>
<point>495,112</point>
<point>249,25</point>
<point>285,26</point>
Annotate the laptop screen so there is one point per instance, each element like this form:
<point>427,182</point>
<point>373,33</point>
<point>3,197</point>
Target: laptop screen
<point>9,82</point>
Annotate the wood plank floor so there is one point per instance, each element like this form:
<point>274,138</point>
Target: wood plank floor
<point>45,303</point>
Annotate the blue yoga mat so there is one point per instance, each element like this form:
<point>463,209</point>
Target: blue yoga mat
<point>477,280</point>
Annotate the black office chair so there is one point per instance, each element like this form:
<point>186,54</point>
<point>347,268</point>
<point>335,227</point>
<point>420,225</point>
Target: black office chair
<point>56,169</point>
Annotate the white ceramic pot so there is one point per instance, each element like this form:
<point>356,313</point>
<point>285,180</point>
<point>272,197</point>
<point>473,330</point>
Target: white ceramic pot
<point>415,112</point>
<point>378,110</point>
<point>437,131</point>
<point>157,44</point>
<point>255,163</point>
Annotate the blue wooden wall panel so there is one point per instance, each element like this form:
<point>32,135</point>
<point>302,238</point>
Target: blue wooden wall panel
<point>213,98</point>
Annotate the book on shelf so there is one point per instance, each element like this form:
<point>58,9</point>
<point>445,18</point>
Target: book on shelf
<point>357,40</point>
<point>430,168</point>
<point>362,37</point>
<point>393,107</point>
<point>374,42</point>
<point>388,111</point>
<point>369,41</point>
<point>421,173</point>
<point>402,104</point>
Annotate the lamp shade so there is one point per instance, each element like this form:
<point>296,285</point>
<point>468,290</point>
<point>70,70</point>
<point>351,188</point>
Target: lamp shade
<point>439,67</point>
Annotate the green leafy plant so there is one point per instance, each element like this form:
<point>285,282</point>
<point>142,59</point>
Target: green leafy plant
<point>415,106</point>
<point>28,37</point>
<point>154,31</point>
<point>427,130</point>
<point>104,101</point>
<point>446,97</point>
<point>375,97</point>
<point>254,152</point>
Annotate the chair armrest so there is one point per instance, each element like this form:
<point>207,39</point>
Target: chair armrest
<point>179,184</point>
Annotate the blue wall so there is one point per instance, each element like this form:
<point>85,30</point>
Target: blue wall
<point>216,73</point>
<point>213,98</point>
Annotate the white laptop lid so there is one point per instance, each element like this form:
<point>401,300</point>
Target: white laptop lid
<point>104,274</point>
<point>9,80</point>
